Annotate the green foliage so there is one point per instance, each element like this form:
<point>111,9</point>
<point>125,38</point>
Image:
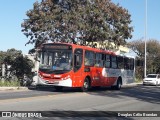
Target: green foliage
<point>77,21</point>
<point>138,80</point>
<point>2,54</point>
<point>6,83</point>
<point>15,63</point>
<point>153,55</point>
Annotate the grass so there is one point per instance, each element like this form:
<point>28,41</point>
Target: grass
<point>6,83</point>
<point>137,80</point>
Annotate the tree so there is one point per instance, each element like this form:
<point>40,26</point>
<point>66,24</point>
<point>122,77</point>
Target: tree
<point>153,55</point>
<point>77,21</point>
<point>2,54</point>
<point>21,66</point>
<point>15,63</point>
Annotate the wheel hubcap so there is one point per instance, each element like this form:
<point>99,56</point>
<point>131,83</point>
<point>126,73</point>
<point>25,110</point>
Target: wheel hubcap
<point>119,85</point>
<point>85,85</point>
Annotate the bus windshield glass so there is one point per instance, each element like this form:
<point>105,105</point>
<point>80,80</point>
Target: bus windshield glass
<point>56,60</point>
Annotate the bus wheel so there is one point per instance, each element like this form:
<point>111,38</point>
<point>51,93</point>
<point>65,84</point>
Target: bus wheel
<point>32,87</point>
<point>58,88</point>
<point>96,87</point>
<point>118,86</point>
<point>86,85</point>
<point>113,87</point>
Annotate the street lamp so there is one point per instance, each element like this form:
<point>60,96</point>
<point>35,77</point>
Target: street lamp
<point>145,37</point>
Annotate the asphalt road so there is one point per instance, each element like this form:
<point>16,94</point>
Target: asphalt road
<point>134,98</point>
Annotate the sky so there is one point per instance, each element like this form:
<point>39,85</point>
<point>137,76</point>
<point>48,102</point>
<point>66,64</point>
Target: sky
<point>13,12</point>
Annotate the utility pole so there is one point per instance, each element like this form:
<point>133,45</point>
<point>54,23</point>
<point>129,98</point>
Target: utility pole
<point>145,37</point>
<point>3,72</point>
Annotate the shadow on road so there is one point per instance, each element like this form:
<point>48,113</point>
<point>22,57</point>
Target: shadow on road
<point>144,93</point>
<point>51,89</point>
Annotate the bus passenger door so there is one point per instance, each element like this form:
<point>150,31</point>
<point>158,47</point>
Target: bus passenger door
<point>78,60</point>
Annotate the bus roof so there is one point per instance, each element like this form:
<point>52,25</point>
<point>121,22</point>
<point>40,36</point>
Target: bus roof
<point>85,47</point>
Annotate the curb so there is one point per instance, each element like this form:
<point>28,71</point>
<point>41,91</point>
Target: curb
<point>132,84</point>
<point>13,88</point>
<point>26,88</point>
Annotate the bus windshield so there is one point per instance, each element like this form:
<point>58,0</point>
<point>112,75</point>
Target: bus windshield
<point>59,60</point>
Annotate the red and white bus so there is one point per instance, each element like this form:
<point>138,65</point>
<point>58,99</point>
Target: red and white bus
<point>69,65</point>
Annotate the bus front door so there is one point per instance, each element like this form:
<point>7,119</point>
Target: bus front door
<point>78,60</point>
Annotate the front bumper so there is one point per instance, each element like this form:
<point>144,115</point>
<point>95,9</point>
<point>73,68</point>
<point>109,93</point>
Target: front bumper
<point>65,83</point>
<point>149,82</point>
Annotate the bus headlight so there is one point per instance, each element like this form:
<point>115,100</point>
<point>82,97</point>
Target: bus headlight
<point>39,75</point>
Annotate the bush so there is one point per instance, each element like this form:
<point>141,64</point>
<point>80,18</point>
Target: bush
<point>6,83</point>
<point>138,80</point>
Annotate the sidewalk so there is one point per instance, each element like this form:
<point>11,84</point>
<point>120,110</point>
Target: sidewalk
<point>132,84</point>
<point>12,88</point>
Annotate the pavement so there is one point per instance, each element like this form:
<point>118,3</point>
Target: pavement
<point>12,88</point>
<point>132,84</point>
<point>26,88</point>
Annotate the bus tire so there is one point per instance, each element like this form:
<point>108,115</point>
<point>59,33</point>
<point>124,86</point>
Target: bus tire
<point>86,85</point>
<point>32,87</point>
<point>58,88</point>
<point>119,84</point>
<point>96,87</point>
<point>113,87</point>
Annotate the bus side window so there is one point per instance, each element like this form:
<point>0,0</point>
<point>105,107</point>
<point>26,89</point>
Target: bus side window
<point>107,63</point>
<point>126,63</point>
<point>120,62</point>
<point>89,58</point>
<point>78,58</point>
<point>113,61</point>
<point>103,60</point>
<point>99,60</point>
<point>132,64</point>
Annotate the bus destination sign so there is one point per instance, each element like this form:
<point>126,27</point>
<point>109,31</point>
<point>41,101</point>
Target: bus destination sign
<point>57,46</point>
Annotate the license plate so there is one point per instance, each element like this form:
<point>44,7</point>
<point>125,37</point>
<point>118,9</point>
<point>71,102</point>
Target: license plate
<point>56,82</point>
<point>53,82</point>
